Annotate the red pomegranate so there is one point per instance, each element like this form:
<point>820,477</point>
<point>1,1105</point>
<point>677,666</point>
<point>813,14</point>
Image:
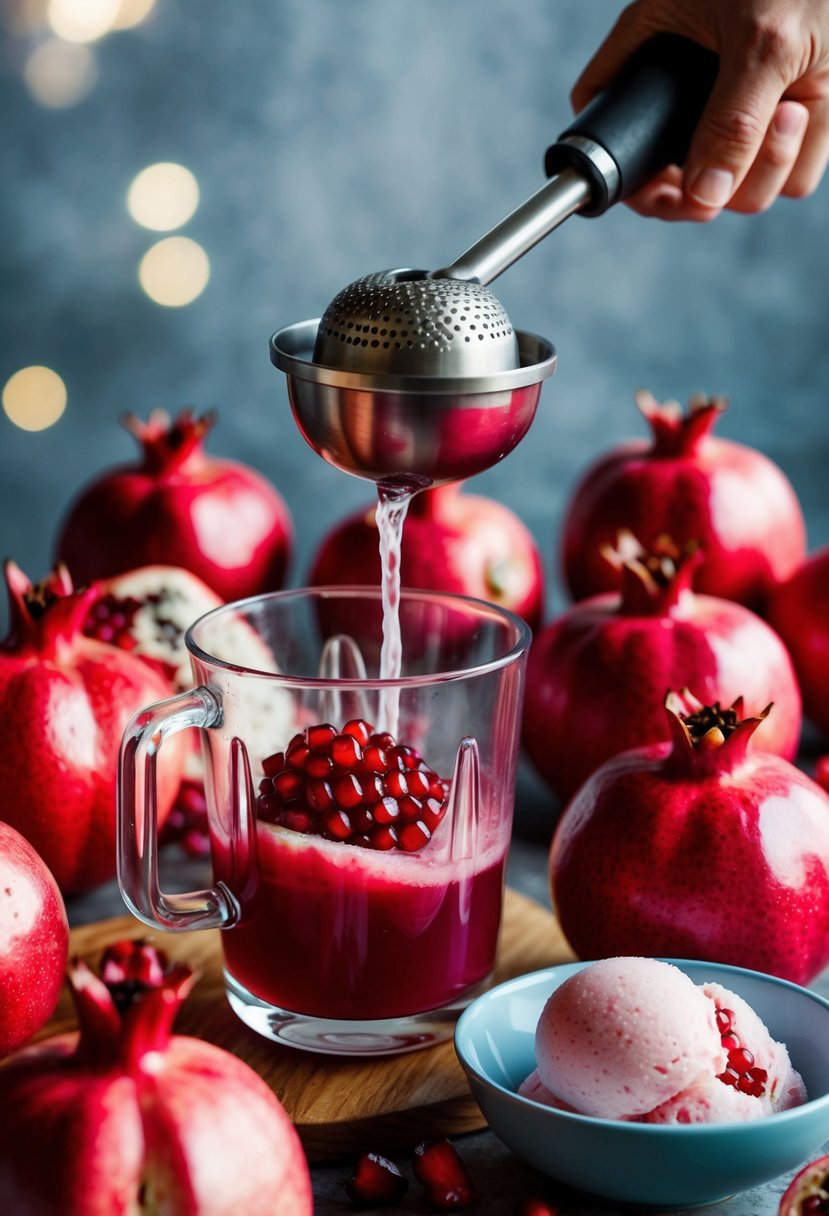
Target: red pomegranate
<point>128,1118</point>
<point>799,611</point>
<point>808,1192</point>
<point>65,700</point>
<point>178,506</point>
<point>452,541</point>
<point>34,941</point>
<point>702,847</point>
<point>692,486</point>
<point>597,675</point>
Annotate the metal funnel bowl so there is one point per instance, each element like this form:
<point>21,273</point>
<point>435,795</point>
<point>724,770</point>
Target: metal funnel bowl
<point>403,429</point>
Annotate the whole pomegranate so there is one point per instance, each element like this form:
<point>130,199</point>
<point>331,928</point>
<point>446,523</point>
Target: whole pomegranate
<point>693,486</point>
<point>452,541</point>
<point>65,700</point>
<point>597,675</point>
<point>799,611</point>
<point>34,941</point>
<point>128,1118</point>
<point>702,847</point>
<point>178,506</point>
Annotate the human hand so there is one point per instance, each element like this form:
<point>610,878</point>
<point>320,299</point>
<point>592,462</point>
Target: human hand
<point>765,129</point>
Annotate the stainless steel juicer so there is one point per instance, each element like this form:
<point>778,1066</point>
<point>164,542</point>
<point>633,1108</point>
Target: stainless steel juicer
<point>415,377</point>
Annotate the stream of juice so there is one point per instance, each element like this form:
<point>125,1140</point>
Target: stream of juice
<point>392,505</point>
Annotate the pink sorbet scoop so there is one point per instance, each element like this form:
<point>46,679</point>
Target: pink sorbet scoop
<point>624,1035</point>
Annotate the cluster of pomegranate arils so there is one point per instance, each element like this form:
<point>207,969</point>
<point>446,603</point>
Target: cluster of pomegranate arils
<point>357,786</point>
<point>741,1072</point>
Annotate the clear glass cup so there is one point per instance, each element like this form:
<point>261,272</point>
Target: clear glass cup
<point>345,947</point>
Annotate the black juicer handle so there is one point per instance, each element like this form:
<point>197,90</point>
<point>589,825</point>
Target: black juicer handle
<point>642,121</point>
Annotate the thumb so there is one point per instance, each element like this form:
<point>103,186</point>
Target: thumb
<point>729,134</point>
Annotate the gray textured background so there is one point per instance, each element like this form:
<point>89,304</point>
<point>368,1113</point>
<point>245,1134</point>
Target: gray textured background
<point>334,137</point>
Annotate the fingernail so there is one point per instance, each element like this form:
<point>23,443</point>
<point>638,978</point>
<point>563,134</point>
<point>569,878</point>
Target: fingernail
<point>712,187</point>
<point>788,120</point>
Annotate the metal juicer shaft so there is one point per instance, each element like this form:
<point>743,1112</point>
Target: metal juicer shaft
<point>523,228</point>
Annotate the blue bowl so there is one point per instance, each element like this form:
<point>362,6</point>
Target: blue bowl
<point>637,1163</point>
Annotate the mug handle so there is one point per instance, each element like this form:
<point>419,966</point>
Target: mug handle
<point>212,908</point>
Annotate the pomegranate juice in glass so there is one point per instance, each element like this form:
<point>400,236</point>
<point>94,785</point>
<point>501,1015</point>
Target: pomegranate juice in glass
<point>358,854</point>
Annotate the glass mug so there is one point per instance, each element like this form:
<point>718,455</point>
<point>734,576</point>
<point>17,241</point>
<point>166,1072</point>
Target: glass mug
<point>365,945</point>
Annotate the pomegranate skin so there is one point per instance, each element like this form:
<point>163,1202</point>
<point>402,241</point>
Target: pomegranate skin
<point>717,852</point>
<point>452,541</point>
<point>131,1120</point>
<point>799,611</point>
<point>65,700</point>
<point>179,506</point>
<point>692,486</point>
<point>808,1192</point>
<point>34,941</point>
<point>597,675</point>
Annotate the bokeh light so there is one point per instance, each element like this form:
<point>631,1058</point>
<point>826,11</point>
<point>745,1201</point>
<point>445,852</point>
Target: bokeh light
<point>60,74</point>
<point>82,20</point>
<point>131,13</point>
<point>163,196</point>
<point>173,272</point>
<point>34,398</point>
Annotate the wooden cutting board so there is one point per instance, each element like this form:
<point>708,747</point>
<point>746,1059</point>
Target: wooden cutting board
<point>340,1107</point>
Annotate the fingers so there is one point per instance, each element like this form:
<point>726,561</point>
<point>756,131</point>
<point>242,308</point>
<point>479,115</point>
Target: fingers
<point>663,198</point>
<point>737,123</point>
<point>814,152</point>
<point>775,160</point>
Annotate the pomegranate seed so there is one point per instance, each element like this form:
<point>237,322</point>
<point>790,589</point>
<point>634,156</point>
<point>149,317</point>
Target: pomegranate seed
<point>413,836</point>
<point>396,784</point>
<point>387,810</point>
<point>438,1167</point>
<point>318,764</point>
<point>298,753</point>
<point>337,824</point>
<point>319,737</point>
<point>729,1077</point>
<point>383,838</point>
<point>297,821</point>
<point>288,783</point>
<point>375,1180</point>
<point>347,790</point>
<point>383,739</point>
<point>346,751</point>
<point>319,795</point>
<point>327,783</point>
<point>535,1207</point>
<point>730,1042</point>
<point>406,757</point>
<point>432,813</point>
<point>410,808</point>
<point>372,787</point>
<point>359,729</point>
<point>418,783</point>
<point>725,1020</point>
<point>274,764</point>
<point>268,807</point>
<point>375,759</point>
<point>741,1059</point>
<point>362,819</point>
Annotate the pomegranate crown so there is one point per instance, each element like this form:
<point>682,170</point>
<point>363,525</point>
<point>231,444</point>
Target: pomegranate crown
<point>42,615</point>
<point>713,735</point>
<point>168,442</point>
<point>652,580</point>
<point>675,432</point>
<point>124,1018</point>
